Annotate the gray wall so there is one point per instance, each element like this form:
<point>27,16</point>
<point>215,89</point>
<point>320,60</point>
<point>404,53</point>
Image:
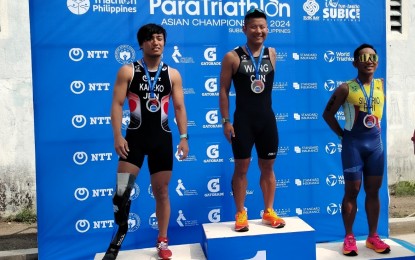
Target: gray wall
<point>17,160</point>
<point>401,98</point>
<point>17,153</point>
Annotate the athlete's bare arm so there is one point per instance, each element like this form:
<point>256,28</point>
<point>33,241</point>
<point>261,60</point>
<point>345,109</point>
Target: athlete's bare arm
<point>230,64</point>
<point>333,105</point>
<point>122,81</point>
<point>179,110</point>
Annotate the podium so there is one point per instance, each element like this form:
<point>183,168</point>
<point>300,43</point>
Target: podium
<point>295,241</point>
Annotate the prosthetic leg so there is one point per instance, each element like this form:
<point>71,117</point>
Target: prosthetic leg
<point>121,203</point>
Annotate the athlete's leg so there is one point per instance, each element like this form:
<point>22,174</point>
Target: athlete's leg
<point>267,181</point>
<point>126,176</point>
<point>372,185</point>
<point>159,183</point>
<point>240,183</point>
<point>349,204</point>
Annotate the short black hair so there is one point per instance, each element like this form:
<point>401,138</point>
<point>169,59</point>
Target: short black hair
<point>146,32</point>
<point>361,47</point>
<point>254,13</point>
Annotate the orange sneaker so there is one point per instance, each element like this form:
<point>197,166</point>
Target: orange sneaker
<point>349,245</point>
<point>241,222</point>
<point>270,218</point>
<point>374,242</point>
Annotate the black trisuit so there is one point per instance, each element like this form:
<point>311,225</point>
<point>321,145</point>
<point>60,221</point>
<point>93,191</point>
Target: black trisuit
<point>254,119</point>
<point>148,132</point>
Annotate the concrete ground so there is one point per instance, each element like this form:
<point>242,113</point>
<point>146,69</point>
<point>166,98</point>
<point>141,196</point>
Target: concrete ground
<point>20,239</point>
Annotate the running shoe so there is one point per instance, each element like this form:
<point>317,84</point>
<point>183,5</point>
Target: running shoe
<point>270,218</point>
<point>241,221</point>
<point>349,245</point>
<point>374,242</point>
<point>163,250</point>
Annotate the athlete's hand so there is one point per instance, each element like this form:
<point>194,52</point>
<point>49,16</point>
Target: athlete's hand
<point>183,149</point>
<point>228,131</point>
<point>121,147</point>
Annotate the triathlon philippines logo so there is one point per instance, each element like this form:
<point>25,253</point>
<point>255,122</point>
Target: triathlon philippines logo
<point>125,54</point>
<point>78,7</point>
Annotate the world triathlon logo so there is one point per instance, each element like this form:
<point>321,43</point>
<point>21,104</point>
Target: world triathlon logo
<point>331,180</point>
<point>333,209</point>
<point>330,85</point>
<point>329,56</point>
<point>331,148</point>
<point>125,54</point>
<point>78,7</point>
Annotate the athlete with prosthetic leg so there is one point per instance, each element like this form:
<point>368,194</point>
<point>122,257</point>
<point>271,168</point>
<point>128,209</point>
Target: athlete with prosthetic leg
<point>148,133</point>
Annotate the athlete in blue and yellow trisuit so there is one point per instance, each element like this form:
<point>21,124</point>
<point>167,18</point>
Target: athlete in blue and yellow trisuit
<point>363,100</point>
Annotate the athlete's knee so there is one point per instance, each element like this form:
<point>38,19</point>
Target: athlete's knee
<point>161,192</point>
<point>121,199</point>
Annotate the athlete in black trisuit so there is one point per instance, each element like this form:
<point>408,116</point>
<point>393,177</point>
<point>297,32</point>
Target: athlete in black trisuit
<point>251,68</point>
<point>148,85</point>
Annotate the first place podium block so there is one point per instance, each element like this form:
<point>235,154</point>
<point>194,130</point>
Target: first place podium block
<point>295,241</point>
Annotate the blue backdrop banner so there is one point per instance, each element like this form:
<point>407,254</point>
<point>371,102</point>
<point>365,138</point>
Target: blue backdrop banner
<point>78,47</point>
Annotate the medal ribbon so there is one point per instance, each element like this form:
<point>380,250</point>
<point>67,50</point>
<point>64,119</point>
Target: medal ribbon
<point>256,66</point>
<point>369,98</point>
<point>152,84</point>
